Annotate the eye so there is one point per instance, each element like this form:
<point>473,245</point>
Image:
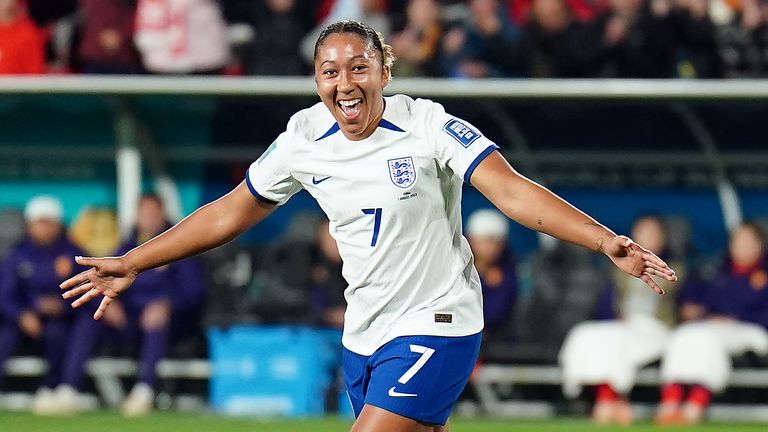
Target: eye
<point>329,72</point>
<point>359,68</point>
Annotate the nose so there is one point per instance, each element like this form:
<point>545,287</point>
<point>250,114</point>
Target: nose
<point>345,82</point>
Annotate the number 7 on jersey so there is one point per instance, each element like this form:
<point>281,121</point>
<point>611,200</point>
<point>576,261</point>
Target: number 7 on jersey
<point>376,212</point>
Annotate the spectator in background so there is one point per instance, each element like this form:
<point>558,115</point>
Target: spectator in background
<point>416,47</point>
<point>610,353</point>
<point>371,12</point>
<point>487,233</point>
<point>327,283</point>
<point>581,10</point>
<point>275,48</point>
<point>30,301</point>
<point>742,33</point>
<point>22,44</point>
<point>550,45</point>
<point>696,36</point>
<point>182,36</point>
<point>485,46</point>
<point>95,230</point>
<point>172,289</point>
<point>727,313</point>
<point>633,39</point>
<point>106,45</point>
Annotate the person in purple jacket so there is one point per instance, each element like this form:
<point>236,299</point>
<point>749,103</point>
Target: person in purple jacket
<point>146,313</point>
<point>726,314</point>
<point>487,232</point>
<point>30,304</point>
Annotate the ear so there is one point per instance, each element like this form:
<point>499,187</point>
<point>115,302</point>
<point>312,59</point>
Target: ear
<point>386,76</point>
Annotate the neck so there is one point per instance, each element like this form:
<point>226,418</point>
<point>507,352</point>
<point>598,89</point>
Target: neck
<point>9,15</point>
<point>368,131</point>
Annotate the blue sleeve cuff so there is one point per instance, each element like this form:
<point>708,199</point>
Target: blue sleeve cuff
<point>468,174</point>
<point>256,194</point>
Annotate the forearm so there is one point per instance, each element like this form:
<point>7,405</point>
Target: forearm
<point>535,207</point>
<point>538,208</point>
<point>208,227</point>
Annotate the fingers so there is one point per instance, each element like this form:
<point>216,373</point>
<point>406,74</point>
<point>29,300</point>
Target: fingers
<point>654,262</point>
<point>102,307</point>
<point>665,272</point>
<point>651,283</point>
<point>655,272</point>
<point>88,261</point>
<point>76,280</point>
<point>78,290</point>
<point>650,256</point>
<point>88,296</point>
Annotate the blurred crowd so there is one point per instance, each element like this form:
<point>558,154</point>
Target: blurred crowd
<point>562,304</point>
<point>433,38</point>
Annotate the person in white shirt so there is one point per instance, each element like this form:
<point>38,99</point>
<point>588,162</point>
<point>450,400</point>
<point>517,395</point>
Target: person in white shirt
<point>388,174</point>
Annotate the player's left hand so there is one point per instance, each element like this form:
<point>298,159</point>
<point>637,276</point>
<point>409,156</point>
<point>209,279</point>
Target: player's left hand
<point>638,261</point>
<point>107,277</point>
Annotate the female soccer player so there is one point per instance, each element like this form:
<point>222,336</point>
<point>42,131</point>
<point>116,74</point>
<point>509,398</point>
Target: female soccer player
<point>388,172</point>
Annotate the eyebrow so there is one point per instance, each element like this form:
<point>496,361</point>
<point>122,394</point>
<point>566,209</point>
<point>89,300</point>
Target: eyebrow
<point>351,58</point>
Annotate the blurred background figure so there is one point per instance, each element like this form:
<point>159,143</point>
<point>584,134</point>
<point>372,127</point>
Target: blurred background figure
<point>550,44</point>
<point>22,43</point>
<point>696,35</point>
<point>30,299</point>
<point>371,12</point>
<point>487,233</point>
<point>727,315</point>
<point>276,42</point>
<point>485,45</point>
<point>182,36</point>
<point>95,230</point>
<point>327,283</point>
<point>632,39</point>
<point>106,44</point>
<point>609,353</point>
<point>146,314</point>
<point>417,45</point>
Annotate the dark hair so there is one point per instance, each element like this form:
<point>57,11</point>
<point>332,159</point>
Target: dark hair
<point>362,30</point>
<point>152,196</point>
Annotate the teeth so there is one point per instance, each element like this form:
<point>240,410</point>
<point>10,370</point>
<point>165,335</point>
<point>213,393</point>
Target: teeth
<point>349,103</point>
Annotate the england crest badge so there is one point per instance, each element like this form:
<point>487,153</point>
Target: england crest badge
<point>402,172</point>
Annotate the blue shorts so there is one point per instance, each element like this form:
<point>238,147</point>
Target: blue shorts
<point>419,377</point>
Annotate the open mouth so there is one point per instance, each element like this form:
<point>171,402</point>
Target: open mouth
<point>350,108</point>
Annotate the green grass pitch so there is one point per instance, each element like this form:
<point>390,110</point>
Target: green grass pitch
<point>172,421</point>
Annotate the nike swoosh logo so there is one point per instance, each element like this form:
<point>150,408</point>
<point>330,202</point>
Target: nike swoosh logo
<point>320,180</point>
<point>393,393</point>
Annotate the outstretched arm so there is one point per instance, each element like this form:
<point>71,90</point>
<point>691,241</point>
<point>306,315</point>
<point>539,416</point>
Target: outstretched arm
<point>537,208</point>
<point>208,227</point>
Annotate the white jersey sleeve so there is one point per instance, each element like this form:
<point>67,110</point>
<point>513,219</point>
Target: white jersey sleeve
<point>270,178</point>
<point>459,146</point>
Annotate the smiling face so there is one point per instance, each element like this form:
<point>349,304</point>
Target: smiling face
<point>350,79</point>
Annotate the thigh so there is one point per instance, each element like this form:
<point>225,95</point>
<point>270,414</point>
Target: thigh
<point>375,419</point>
<point>421,377</point>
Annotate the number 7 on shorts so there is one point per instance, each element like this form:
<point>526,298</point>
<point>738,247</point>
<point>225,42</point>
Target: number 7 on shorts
<point>426,353</point>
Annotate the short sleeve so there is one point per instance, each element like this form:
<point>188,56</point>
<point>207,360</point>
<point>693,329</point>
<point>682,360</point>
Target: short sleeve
<point>269,178</point>
<point>458,145</point>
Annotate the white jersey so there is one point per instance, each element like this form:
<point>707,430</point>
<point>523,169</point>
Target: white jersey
<point>393,201</point>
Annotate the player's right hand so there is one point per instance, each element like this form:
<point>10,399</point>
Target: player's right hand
<point>108,277</point>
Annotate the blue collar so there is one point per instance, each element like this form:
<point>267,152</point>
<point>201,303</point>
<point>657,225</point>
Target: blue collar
<point>386,124</point>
